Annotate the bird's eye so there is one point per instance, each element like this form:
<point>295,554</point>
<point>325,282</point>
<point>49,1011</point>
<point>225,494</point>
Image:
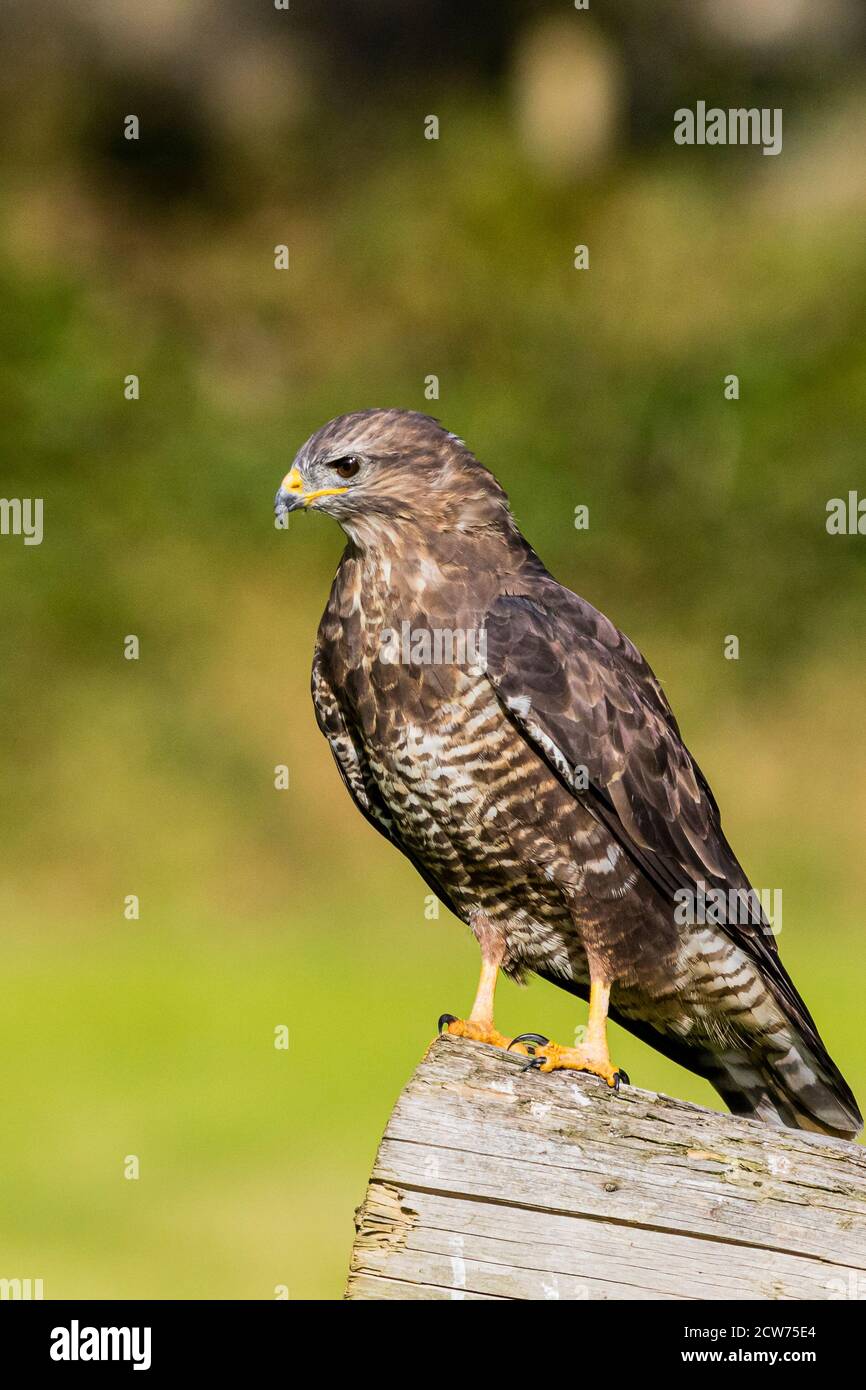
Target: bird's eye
<point>346,468</point>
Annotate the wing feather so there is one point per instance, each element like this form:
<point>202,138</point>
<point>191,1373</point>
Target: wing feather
<point>583,694</point>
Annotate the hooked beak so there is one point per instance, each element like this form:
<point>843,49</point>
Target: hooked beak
<point>291,494</point>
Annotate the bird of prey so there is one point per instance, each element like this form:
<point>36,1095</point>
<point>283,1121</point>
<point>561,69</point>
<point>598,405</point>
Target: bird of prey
<point>518,749</point>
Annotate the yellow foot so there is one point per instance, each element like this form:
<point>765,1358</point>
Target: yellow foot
<point>549,1056</point>
<point>478,1032</point>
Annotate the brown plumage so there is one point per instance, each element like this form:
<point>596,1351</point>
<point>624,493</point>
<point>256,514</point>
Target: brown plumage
<point>537,779</point>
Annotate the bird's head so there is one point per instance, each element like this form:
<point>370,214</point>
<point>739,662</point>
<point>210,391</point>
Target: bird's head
<point>380,473</point>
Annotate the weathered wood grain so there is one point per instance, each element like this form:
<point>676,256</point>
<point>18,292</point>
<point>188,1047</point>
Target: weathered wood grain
<point>492,1182</point>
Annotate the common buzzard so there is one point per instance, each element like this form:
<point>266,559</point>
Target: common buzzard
<point>517,748</point>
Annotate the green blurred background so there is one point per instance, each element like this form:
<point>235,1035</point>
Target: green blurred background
<point>408,257</point>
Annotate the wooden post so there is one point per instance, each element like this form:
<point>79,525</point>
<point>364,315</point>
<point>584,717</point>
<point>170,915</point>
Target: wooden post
<point>493,1182</point>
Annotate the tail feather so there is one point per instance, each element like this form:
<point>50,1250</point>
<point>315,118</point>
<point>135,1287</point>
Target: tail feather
<point>800,1087</point>
<point>785,1079</point>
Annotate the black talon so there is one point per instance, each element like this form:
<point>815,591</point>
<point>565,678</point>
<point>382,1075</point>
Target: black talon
<point>533,1064</point>
<point>443,1019</point>
<point>621,1076</point>
<point>528,1037</point>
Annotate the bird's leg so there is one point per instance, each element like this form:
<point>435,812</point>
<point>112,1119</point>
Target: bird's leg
<point>594,1056</point>
<point>479,1025</point>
